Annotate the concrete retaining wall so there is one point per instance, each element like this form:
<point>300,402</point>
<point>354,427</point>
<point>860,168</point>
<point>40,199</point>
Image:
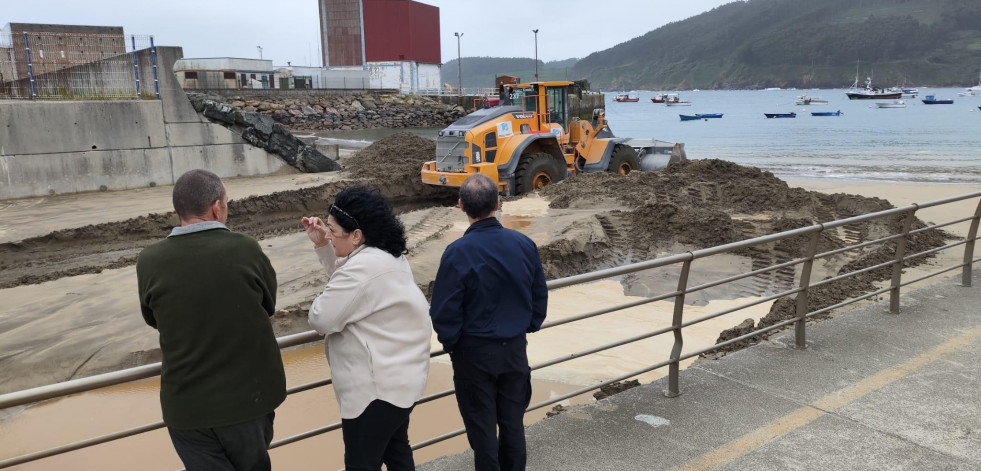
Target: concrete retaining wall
<point>76,146</point>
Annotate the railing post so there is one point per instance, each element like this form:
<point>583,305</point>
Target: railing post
<point>136,67</point>
<point>969,247</point>
<point>674,369</point>
<point>897,266</point>
<point>30,67</point>
<point>800,334</point>
<point>153,59</point>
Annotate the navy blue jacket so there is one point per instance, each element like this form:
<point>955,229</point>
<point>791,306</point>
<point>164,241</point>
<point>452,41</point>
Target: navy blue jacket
<point>490,285</point>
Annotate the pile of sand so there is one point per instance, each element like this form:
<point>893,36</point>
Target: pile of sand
<point>711,183</point>
<point>393,164</point>
<point>705,203</point>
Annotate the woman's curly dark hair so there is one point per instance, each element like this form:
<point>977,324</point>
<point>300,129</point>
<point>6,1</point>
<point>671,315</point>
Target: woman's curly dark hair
<point>359,207</point>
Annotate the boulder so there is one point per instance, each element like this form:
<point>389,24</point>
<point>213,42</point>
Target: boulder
<point>220,112</point>
<point>310,160</point>
<point>263,124</point>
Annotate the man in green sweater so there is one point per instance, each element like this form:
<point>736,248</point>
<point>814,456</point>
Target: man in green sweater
<point>210,292</point>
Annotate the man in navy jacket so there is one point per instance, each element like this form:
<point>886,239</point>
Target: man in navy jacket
<point>489,292</point>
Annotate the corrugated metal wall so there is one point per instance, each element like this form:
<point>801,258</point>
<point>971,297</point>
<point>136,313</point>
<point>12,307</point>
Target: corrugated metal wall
<point>394,30</point>
<point>343,24</point>
<point>401,30</point>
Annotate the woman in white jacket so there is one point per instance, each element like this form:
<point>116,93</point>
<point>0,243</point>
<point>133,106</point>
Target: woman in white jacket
<point>377,325</point>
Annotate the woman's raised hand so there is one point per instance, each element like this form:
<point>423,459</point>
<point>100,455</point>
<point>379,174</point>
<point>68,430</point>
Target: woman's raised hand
<point>316,230</point>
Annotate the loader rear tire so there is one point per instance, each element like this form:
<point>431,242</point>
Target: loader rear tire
<point>623,161</point>
<point>535,171</point>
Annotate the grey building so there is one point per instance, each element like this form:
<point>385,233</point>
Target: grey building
<point>225,72</point>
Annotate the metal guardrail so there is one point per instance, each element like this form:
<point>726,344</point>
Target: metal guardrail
<point>677,327</point>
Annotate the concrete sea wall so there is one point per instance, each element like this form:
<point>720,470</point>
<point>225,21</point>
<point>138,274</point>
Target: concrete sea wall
<point>75,146</point>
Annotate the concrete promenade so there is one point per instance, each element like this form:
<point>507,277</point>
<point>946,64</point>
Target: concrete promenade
<point>871,391</point>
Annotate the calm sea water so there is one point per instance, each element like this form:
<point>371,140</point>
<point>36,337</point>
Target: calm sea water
<point>920,143</point>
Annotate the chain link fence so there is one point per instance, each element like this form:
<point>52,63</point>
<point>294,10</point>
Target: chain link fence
<point>77,66</point>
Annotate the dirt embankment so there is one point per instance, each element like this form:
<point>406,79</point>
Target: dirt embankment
<point>391,165</point>
<point>705,203</point>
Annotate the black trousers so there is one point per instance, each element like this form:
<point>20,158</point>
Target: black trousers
<point>379,435</point>
<point>493,389</point>
<point>238,447</point>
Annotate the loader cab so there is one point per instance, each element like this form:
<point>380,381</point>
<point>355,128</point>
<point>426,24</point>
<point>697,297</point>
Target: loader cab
<point>550,100</point>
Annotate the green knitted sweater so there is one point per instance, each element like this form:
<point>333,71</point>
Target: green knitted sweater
<point>210,295</point>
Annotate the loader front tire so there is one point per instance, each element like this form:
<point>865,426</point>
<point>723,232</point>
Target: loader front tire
<point>623,161</point>
<point>535,171</point>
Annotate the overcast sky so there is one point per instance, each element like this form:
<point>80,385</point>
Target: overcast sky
<point>288,30</point>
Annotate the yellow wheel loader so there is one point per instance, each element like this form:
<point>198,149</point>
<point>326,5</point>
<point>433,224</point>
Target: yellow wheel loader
<point>530,141</point>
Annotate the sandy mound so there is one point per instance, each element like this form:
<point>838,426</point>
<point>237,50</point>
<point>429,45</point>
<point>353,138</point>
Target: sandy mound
<point>393,163</point>
<point>705,203</point>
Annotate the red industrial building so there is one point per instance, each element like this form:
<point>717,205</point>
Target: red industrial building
<point>358,32</point>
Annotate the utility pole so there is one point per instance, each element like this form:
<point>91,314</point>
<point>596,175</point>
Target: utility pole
<point>260,51</point>
<point>536,53</point>
<point>459,64</point>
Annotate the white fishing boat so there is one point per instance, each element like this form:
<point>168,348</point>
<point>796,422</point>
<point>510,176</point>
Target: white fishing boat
<point>868,92</point>
<point>672,99</point>
<point>892,104</point>
<point>810,100</point>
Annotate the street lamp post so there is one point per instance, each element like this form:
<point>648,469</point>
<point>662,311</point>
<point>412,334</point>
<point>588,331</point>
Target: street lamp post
<point>459,64</point>
<point>536,53</point>
<point>260,51</point>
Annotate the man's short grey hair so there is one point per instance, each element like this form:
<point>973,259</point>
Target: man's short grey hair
<point>195,191</point>
<point>479,196</point>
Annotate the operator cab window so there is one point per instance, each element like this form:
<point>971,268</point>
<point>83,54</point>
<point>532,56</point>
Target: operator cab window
<point>558,112</point>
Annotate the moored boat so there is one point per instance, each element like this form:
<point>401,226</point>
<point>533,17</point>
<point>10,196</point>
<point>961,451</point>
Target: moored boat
<point>626,98</point>
<point>658,98</point>
<point>933,100</point>
<point>672,99</point>
<point>872,93</point>
<point>780,115</point>
<point>868,92</point>
<point>826,113</point>
<point>810,100</point>
<point>693,117</point>
<point>892,104</point>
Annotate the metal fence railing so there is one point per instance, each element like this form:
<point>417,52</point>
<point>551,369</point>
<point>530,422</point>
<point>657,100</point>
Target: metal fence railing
<point>902,218</point>
<point>77,66</point>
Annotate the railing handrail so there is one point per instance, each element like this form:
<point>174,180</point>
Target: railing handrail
<point>150,370</point>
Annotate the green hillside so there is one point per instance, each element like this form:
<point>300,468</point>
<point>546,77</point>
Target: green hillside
<point>776,43</point>
<point>800,43</point>
<point>479,72</point>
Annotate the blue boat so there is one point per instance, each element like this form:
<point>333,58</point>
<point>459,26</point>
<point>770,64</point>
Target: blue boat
<point>690,117</point>
<point>932,100</point>
<point>826,113</point>
<point>780,115</point>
